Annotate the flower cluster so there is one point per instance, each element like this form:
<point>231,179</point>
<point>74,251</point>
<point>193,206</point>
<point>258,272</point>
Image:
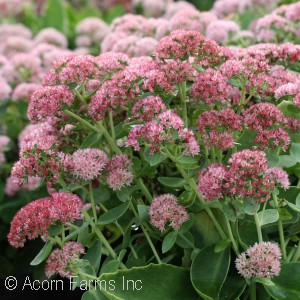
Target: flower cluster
<point>261,260</point>
<point>34,219</point>
<point>164,209</point>
<point>60,260</point>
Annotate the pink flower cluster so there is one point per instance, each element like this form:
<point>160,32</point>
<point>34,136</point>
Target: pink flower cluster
<point>159,131</point>
<point>165,209</point>
<point>247,175</point>
<point>60,260</point>
<point>60,207</point>
<point>261,260</point>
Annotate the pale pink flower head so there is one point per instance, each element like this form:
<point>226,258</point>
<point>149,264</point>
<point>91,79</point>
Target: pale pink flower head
<point>11,187</point>
<point>60,260</point>
<point>120,161</point>
<point>90,32</point>
<point>111,62</point>
<point>164,210</point>
<point>146,108</point>
<point>27,66</point>
<point>5,89</point>
<point>261,260</point>
<point>24,91</point>
<point>119,178</point>
<point>88,163</point>
<point>279,176</point>
<point>47,102</point>
<point>4,141</point>
<point>51,36</point>
<point>211,181</point>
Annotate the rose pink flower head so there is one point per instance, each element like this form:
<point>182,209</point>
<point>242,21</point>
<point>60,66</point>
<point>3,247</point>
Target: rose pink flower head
<point>88,163</point>
<point>118,178</point>
<point>34,218</point>
<point>279,176</point>
<point>47,102</point>
<point>211,181</point>
<point>261,260</point>
<point>145,109</point>
<point>59,261</point>
<point>165,209</point>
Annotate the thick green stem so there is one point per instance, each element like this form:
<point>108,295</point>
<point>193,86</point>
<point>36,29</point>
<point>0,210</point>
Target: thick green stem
<point>82,121</point>
<point>258,227</point>
<point>82,99</point>
<point>112,126</point>
<point>182,94</point>
<point>253,291</point>
<point>147,236</point>
<point>280,229</point>
<point>102,238</point>
<point>109,139</point>
<point>144,189</point>
<point>193,185</point>
<point>233,241</point>
<point>92,200</point>
<point>297,253</point>
<point>242,101</point>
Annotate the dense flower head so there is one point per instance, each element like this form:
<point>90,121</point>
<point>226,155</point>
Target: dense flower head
<point>11,187</point>
<point>165,209</point>
<point>211,86</point>
<point>287,89</point>
<point>263,116</point>
<point>121,161</point>
<point>111,62</point>
<point>90,32</point>
<point>88,163</point>
<point>211,180</point>
<point>47,102</point>
<point>5,89</point>
<point>51,36</point>
<point>34,218</point>
<point>59,261</point>
<point>279,176</point>
<point>118,178</point>
<point>24,91</point>
<point>261,260</point>
<point>246,175</point>
<point>273,139</point>
<point>147,107</point>
<point>179,44</point>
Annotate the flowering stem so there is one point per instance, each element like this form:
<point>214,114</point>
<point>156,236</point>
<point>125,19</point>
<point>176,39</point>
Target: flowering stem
<point>193,185</point>
<point>111,123</point>
<point>92,200</point>
<point>234,244</point>
<point>182,94</point>
<point>258,227</point>
<point>82,121</point>
<point>102,238</point>
<point>253,291</point>
<point>297,253</point>
<point>144,189</point>
<point>280,229</point>
<point>109,139</point>
<point>242,101</point>
<point>82,99</point>
<point>213,154</point>
<point>292,252</point>
<point>147,236</point>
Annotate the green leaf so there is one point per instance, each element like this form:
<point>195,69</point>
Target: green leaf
<point>293,206</point>
<point>250,206</point>
<point>209,271</point>
<point>221,245</point>
<point>90,140</point>
<point>174,182</point>
<point>155,158</point>
<point>111,267</point>
<point>163,281</point>
<point>169,241</point>
<point>298,200</point>
<point>268,216</point>
<point>287,283</point>
<point>43,254</point>
<point>189,162</point>
<point>180,241</point>
<point>93,294</point>
<point>233,288</point>
<point>143,213</point>
<point>287,161</point>
<point>295,151</point>
<point>101,194</point>
<point>123,194</point>
<point>273,158</point>
<point>55,16</point>
<point>93,255</point>
<point>113,214</point>
<point>54,229</point>
<point>289,109</point>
